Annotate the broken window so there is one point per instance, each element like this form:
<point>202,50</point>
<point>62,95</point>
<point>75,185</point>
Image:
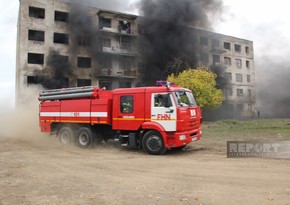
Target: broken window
<point>227,45</point>
<point>105,84</point>
<point>106,42</point>
<point>124,26</point>
<point>229,76</point>
<point>249,92</point>
<point>238,63</point>
<point>32,80</point>
<point>59,61</point>
<point>36,12</point>
<point>248,64</point>
<point>250,107</point>
<point>60,38</point>
<point>239,77</point>
<point>237,48</point>
<point>248,78</point>
<point>105,22</point>
<point>204,58</point>
<point>84,41</point>
<point>247,49</point>
<point>240,92</point>
<point>84,82</point>
<point>34,35</point>
<point>125,63</point>
<point>215,43</point>
<point>35,58</point>
<point>84,62</point>
<point>240,107</point>
<point>61,16</point>
<point>124,84</point>
<point>227,61</point>
<point>228,92</point>
<point>216,59</point>
<point>204,41</point>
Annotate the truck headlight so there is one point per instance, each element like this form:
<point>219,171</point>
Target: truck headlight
<point>182,137</point>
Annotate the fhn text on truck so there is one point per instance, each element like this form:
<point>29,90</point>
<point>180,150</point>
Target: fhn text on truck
<point>154,118</point>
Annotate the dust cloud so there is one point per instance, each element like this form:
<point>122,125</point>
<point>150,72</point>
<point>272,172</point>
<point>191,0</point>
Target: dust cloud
<point>21,123</point>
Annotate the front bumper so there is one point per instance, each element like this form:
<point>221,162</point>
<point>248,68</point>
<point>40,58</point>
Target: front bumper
<point>178,139</point>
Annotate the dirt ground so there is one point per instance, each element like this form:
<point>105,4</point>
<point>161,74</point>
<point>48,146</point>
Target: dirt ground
<point>39,170</point>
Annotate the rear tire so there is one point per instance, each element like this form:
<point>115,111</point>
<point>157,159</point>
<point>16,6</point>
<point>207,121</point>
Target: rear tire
<point>152,143</point>
<point>66,135</point>
<point>84,137</point>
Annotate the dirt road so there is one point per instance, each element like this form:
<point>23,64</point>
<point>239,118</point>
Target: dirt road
<point>41,171</point>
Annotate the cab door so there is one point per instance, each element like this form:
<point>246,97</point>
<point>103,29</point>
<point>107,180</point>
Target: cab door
<point>163,111</point>
<point>128,111</point>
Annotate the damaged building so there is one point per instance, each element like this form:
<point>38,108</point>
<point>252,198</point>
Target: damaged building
<point>60,45</point>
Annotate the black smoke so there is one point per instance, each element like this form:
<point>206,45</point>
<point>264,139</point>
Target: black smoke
<point>82,33</point>
<point>168,37</point>
<point>55,74</point>
<point>273,85</point>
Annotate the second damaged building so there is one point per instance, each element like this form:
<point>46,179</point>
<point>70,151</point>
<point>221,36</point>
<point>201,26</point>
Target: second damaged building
<point>61,45</point>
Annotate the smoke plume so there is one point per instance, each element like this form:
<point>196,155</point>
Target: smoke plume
<point>273,84</point>
<point>168,35</point>
<point>55,74</point>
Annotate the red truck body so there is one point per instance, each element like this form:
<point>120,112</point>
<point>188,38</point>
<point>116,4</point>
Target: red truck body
<point>134,116</point>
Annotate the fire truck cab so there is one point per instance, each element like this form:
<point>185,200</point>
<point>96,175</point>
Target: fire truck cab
<point>154,118</point>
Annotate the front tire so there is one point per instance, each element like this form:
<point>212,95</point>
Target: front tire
<point>152,143</point>
<point>84,137</point>
<point>66,135</point>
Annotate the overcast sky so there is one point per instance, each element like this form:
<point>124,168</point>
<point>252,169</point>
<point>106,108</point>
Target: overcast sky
<point>265,22</point>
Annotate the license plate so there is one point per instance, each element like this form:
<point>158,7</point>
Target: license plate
<point>194,139</point>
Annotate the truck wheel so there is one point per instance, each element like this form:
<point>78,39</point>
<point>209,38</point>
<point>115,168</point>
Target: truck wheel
<point>66,135</point>
<point>152,143</point>
<point>84,137</point>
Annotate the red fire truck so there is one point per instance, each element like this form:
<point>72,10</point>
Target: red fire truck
<point>154,118</point>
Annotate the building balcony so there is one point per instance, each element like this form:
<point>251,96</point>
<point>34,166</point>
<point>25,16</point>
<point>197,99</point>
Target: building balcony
<point>117,31</point>
<point>123,49</point>
<point>117,23</point>
<point>111,73</point>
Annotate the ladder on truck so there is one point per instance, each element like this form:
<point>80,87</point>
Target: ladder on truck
<point>69,93</point>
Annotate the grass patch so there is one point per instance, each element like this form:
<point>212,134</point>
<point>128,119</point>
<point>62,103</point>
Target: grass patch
<point>256,129</point>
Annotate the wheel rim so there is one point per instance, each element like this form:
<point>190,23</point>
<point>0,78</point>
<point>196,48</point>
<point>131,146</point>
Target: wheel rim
<point>65,137</point>
<point>154,143</point>
<point>83,139</point>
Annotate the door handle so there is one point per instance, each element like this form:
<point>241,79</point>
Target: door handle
<point>169,111</point>
<point>153,115</point>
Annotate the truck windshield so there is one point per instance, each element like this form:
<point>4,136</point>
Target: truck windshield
<point>184,98</point>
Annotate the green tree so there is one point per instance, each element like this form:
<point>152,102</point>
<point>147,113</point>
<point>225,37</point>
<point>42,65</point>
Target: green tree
<point>202,82</point>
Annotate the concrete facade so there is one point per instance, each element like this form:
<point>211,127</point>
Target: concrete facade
<point>45,25</point>
<point>235,56</point>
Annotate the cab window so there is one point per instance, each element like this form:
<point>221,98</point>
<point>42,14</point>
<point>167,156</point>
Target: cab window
<point>162,100</point>
<point>126,104</point>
